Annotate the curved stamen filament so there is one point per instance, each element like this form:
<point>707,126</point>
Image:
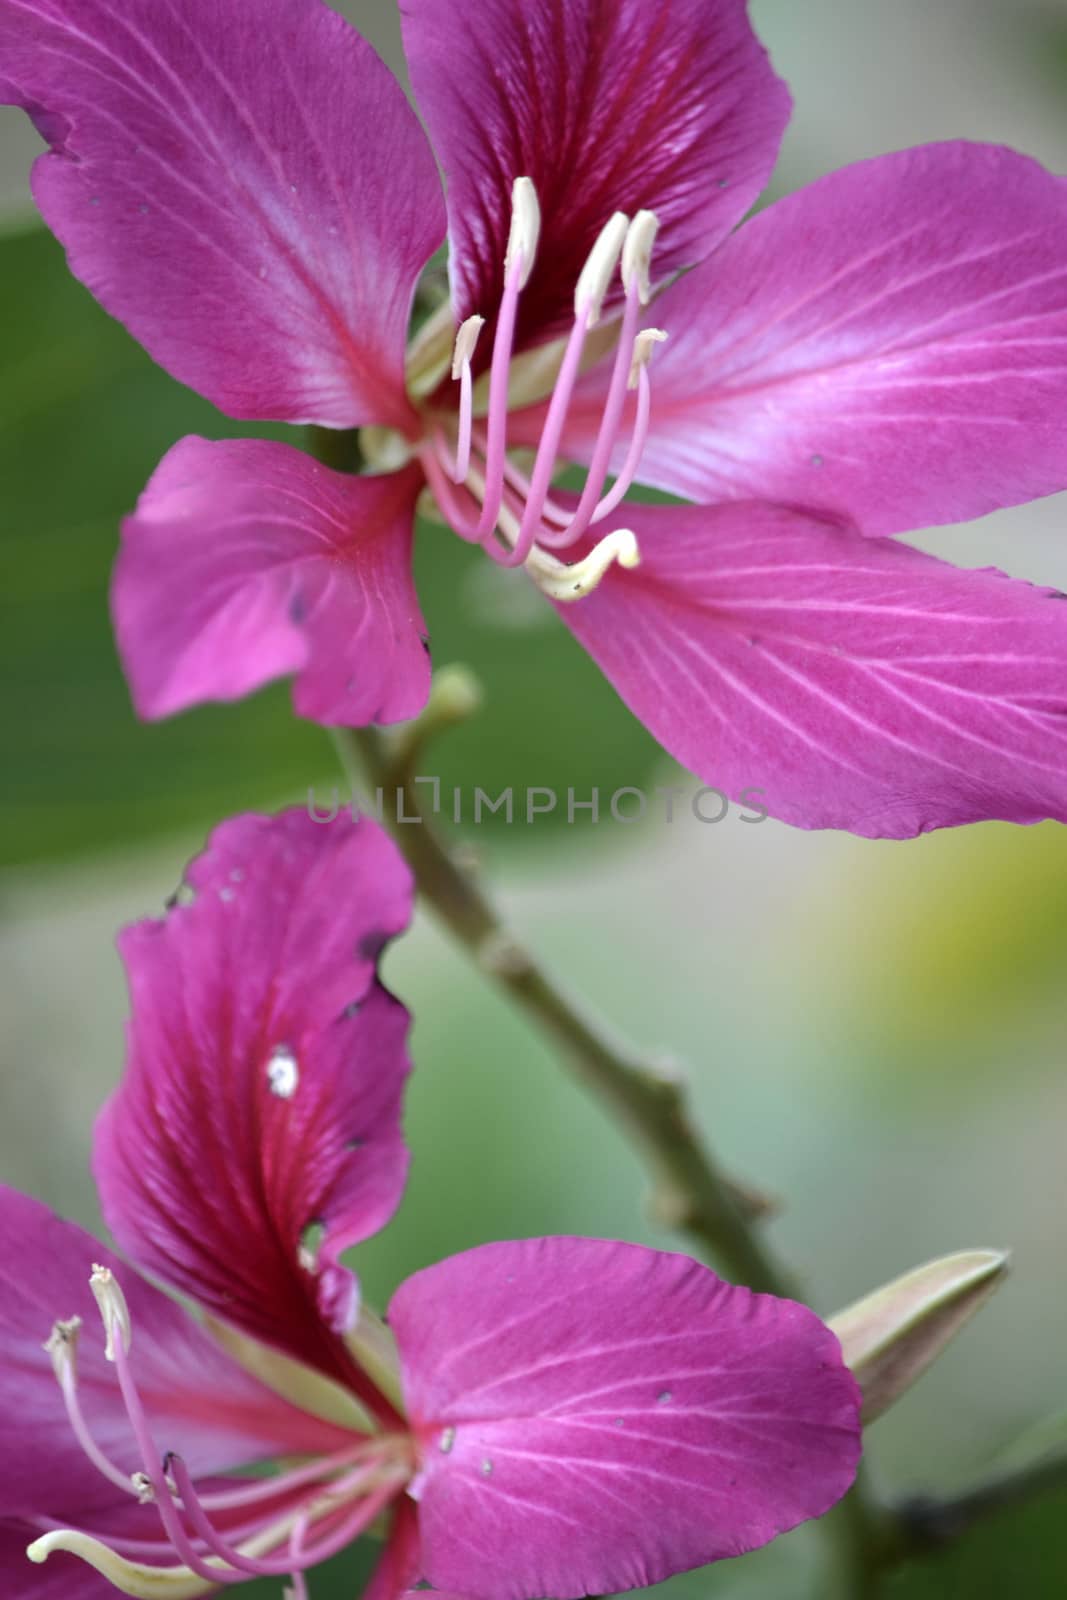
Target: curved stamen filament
<point>549,444</point>
<point>344,1505</point>
<point>522,247</point>
<point>299,1590</point>
<point>517,480</point>
<point>639,378</point>
<point>62,1346</point>
<point>466,340</point>
<point>435,464</point>
<point>258,1567</point>
<point>316,1474</point>
<point>609,424</point>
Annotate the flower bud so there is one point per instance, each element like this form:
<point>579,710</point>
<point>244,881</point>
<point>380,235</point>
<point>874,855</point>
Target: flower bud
<point>892,1336</point>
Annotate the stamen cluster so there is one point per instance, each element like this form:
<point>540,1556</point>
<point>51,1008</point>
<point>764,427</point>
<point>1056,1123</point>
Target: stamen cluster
<point>513,516</point>
<point>337,1495</point>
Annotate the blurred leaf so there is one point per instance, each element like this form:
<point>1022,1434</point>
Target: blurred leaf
<point>1019,1553</point>
<point>84,419</point>
<point>963,936</point>
<point>892,1336</point>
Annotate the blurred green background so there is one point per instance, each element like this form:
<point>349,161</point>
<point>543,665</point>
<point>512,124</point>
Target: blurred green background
<point>875,1031</point>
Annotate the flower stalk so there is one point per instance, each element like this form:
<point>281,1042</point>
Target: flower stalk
<point>644,1094</point>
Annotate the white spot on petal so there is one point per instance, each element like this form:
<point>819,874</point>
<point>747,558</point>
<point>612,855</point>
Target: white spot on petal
<point>447,1440</point>
<point>283,1073</point>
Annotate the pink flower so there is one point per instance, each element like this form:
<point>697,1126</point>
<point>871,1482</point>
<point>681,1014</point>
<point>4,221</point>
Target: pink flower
<point>248,189</point>
<point>553,1417</point>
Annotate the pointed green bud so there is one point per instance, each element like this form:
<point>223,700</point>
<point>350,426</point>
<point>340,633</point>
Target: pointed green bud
<point>892,1336</point>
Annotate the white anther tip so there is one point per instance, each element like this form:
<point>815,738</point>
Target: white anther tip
<point>644,344</point>
<point>637,254</point>
<point>599,269</point>
<point>525,228</point>
<point>62,1346</point>
<point>142,1488</point>
<point>627,550</point>
<point>466,339</point>
<point>113,1309</point>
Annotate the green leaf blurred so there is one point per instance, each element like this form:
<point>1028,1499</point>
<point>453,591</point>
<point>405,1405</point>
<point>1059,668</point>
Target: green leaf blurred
<point>84,418</point>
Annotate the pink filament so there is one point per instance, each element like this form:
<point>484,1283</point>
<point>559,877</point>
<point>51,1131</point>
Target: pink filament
<point>548,448</point>
<point>609,425</point>
<point>497,419</point>
<point>78,1423</point>
<point>433,460</point>
<point>344,1528</point>
<point>624,482</point>
<point>299,1590</point>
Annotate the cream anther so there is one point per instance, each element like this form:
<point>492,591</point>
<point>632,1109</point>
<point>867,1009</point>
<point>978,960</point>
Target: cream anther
<point>113,1309</point>
<point>525,228</point>
<point>637,254</point>
<point>595,277</point>
<point>466,340</point>
<point>565,583</point>
<point>62,1346</point>
<point>644,344</point>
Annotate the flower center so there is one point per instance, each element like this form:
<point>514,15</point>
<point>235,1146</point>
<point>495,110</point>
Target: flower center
<point>480,491</point>
<point>226,1536</point>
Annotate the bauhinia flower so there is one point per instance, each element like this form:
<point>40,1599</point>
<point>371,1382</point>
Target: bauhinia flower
<point>555,1417</point>
<point>247,188</point>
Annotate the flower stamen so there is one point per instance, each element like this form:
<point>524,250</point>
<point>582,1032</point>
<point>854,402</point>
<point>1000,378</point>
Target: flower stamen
<point>518,264</point>
<point>62,1346</point>
<point>636,251</point>
<point>593,285</point>
<point>466,340</point>
<point>644,344</point>
<point>341,1494</point>
<point>521,535</point>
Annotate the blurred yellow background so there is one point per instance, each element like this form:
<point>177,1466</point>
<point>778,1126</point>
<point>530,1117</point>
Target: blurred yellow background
<point>875,1031</point>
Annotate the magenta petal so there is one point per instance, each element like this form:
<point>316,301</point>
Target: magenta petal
<point>608,105</point>
<point>889,345</point>
<point>243,185</point>
<point>839,682</point>
<point>199,1402</point>
<point>259,1118</point>
<point>599,1416</point>
<point>246,561</point>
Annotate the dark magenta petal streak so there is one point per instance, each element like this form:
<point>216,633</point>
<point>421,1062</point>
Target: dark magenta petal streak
<point>264,1079</point>
<point>608,105</point>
